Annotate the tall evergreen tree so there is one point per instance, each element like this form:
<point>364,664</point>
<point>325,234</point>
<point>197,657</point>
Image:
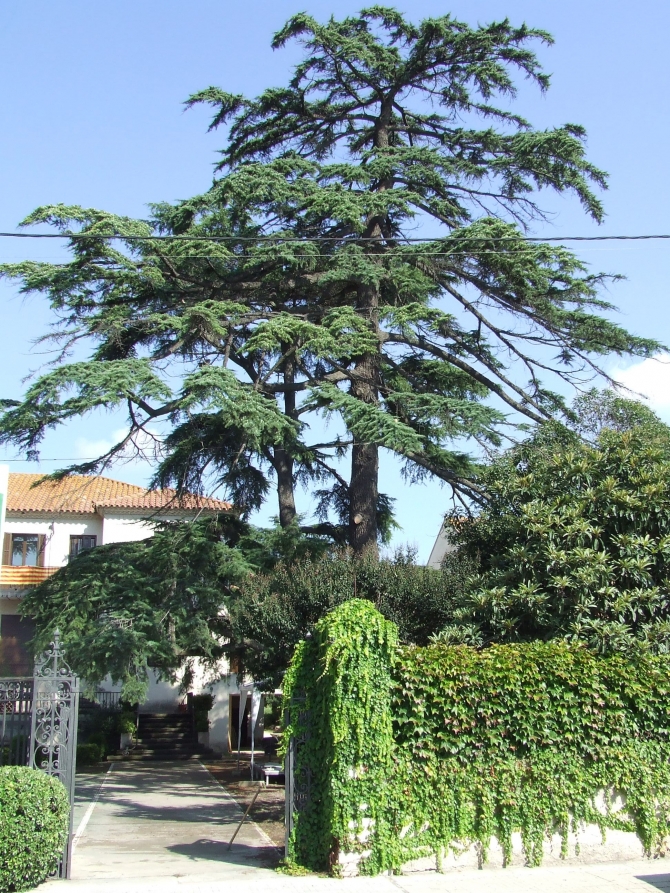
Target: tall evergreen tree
<point>295,287</point>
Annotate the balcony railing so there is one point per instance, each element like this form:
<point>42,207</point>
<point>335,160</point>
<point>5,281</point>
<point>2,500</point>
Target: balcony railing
<point>24,576</point>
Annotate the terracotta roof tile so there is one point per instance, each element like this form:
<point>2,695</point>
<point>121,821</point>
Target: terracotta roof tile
<point>80,494</point>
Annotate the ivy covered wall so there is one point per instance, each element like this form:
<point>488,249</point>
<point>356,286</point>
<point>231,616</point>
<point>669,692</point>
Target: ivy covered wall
<point>411,751</point>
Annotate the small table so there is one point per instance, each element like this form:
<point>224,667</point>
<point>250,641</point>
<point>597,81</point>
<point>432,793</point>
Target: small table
<point>270,770</point>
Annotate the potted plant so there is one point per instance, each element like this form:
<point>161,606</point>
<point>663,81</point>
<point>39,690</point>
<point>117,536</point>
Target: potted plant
<point>127,728</point>
<point>202,704</point>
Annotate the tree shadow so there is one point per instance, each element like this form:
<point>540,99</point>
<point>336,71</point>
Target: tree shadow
<point>659,881</point>
<point>217,851</point>
<point>213,813</point>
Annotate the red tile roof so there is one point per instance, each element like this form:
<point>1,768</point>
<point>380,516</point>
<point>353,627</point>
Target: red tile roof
<point>80,494</point>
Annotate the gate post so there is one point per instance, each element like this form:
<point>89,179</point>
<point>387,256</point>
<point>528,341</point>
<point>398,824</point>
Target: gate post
<point>298,779</point>
<point>53,735</point>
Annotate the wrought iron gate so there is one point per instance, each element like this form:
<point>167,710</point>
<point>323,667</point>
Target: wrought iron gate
<point>53,735</point>
<point>38,725</point>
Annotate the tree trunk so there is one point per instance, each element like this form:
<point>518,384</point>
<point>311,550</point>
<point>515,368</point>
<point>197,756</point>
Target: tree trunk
<point>283,465</point>
<point>363,486</point>
<point>364,491</point>
<point>283,461</point>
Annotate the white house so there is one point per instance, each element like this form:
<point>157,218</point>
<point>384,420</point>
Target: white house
<point>441,548</point>
<point>45,523</point>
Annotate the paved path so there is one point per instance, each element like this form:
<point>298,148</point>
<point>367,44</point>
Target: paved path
<point>643,877</point>
<point>168,820</point>
<point>164,827</point>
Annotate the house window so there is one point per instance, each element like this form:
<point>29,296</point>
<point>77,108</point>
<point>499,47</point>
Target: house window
<point>25,550</point>
<point>15,654</point>
<point>81,543</point>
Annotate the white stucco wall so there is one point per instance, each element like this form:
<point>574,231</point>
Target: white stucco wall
<point>123,529</point>
<point>57,533</point>
<point>164,697</point>
<point>58,530</point>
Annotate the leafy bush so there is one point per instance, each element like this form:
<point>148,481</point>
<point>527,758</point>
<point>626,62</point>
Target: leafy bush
<point>34,823</point>
<point>274,611</point>
<point>574,542</point>
<point>202,704</point>
<point>426,748</point>
<point>125,723</point>
<point>88,754</point>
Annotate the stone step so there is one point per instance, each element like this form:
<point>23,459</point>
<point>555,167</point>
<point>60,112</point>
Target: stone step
<point>165,725</point>
<point>164,733</point>
<point>136,758</point>
<point>139,754</point>
<point>168,739</point>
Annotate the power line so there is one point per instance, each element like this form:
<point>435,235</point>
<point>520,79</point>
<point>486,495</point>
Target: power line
<point>345,239</point>
<point>314,255</point>
<point>217,257</point>
<point>456,253</point>
<point>62,459</point>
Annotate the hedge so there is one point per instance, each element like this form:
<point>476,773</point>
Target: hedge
<point>417,750</point>
<point>90,753</point>
<point>34,824</point>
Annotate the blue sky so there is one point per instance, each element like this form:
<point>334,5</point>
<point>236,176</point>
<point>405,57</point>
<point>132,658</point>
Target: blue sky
<point>91,113</point>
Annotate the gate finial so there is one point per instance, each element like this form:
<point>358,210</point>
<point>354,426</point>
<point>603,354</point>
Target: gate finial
<point>51,662</point>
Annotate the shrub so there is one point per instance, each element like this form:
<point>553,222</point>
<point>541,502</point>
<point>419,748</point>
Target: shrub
<point>203,703</point>
<point>90,753</point>
<point>573,542</point>
<point>34,823</point>
<point>272,612</point>
<point>126,723</point>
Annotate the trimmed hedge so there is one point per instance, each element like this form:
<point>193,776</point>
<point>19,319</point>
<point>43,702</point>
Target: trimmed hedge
<point>90,753</point>
<point>34,824</point>
<point>412,751</point>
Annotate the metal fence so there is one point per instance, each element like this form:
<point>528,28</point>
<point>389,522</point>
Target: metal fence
<point>38,724</point>
<point>108,700</point>
<point>16,709</point>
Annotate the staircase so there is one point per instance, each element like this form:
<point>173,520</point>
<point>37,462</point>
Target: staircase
<point>164,736</point>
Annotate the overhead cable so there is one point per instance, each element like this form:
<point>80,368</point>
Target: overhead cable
<point>348,239</point>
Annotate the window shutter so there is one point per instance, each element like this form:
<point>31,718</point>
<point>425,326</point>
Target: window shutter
<point>7,549</point>
<point>41,544</point>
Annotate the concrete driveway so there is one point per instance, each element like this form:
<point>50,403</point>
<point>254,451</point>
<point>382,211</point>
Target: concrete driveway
<point>165,827</point>
<point>170,820</point>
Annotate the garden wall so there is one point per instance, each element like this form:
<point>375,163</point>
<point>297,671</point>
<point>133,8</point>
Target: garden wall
<point>451,756</point>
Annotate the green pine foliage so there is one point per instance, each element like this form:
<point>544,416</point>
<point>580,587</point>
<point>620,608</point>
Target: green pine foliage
<point>218,587</point>
<point>293,289</point>
<point>418,751</point>
<point>156,603</point>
